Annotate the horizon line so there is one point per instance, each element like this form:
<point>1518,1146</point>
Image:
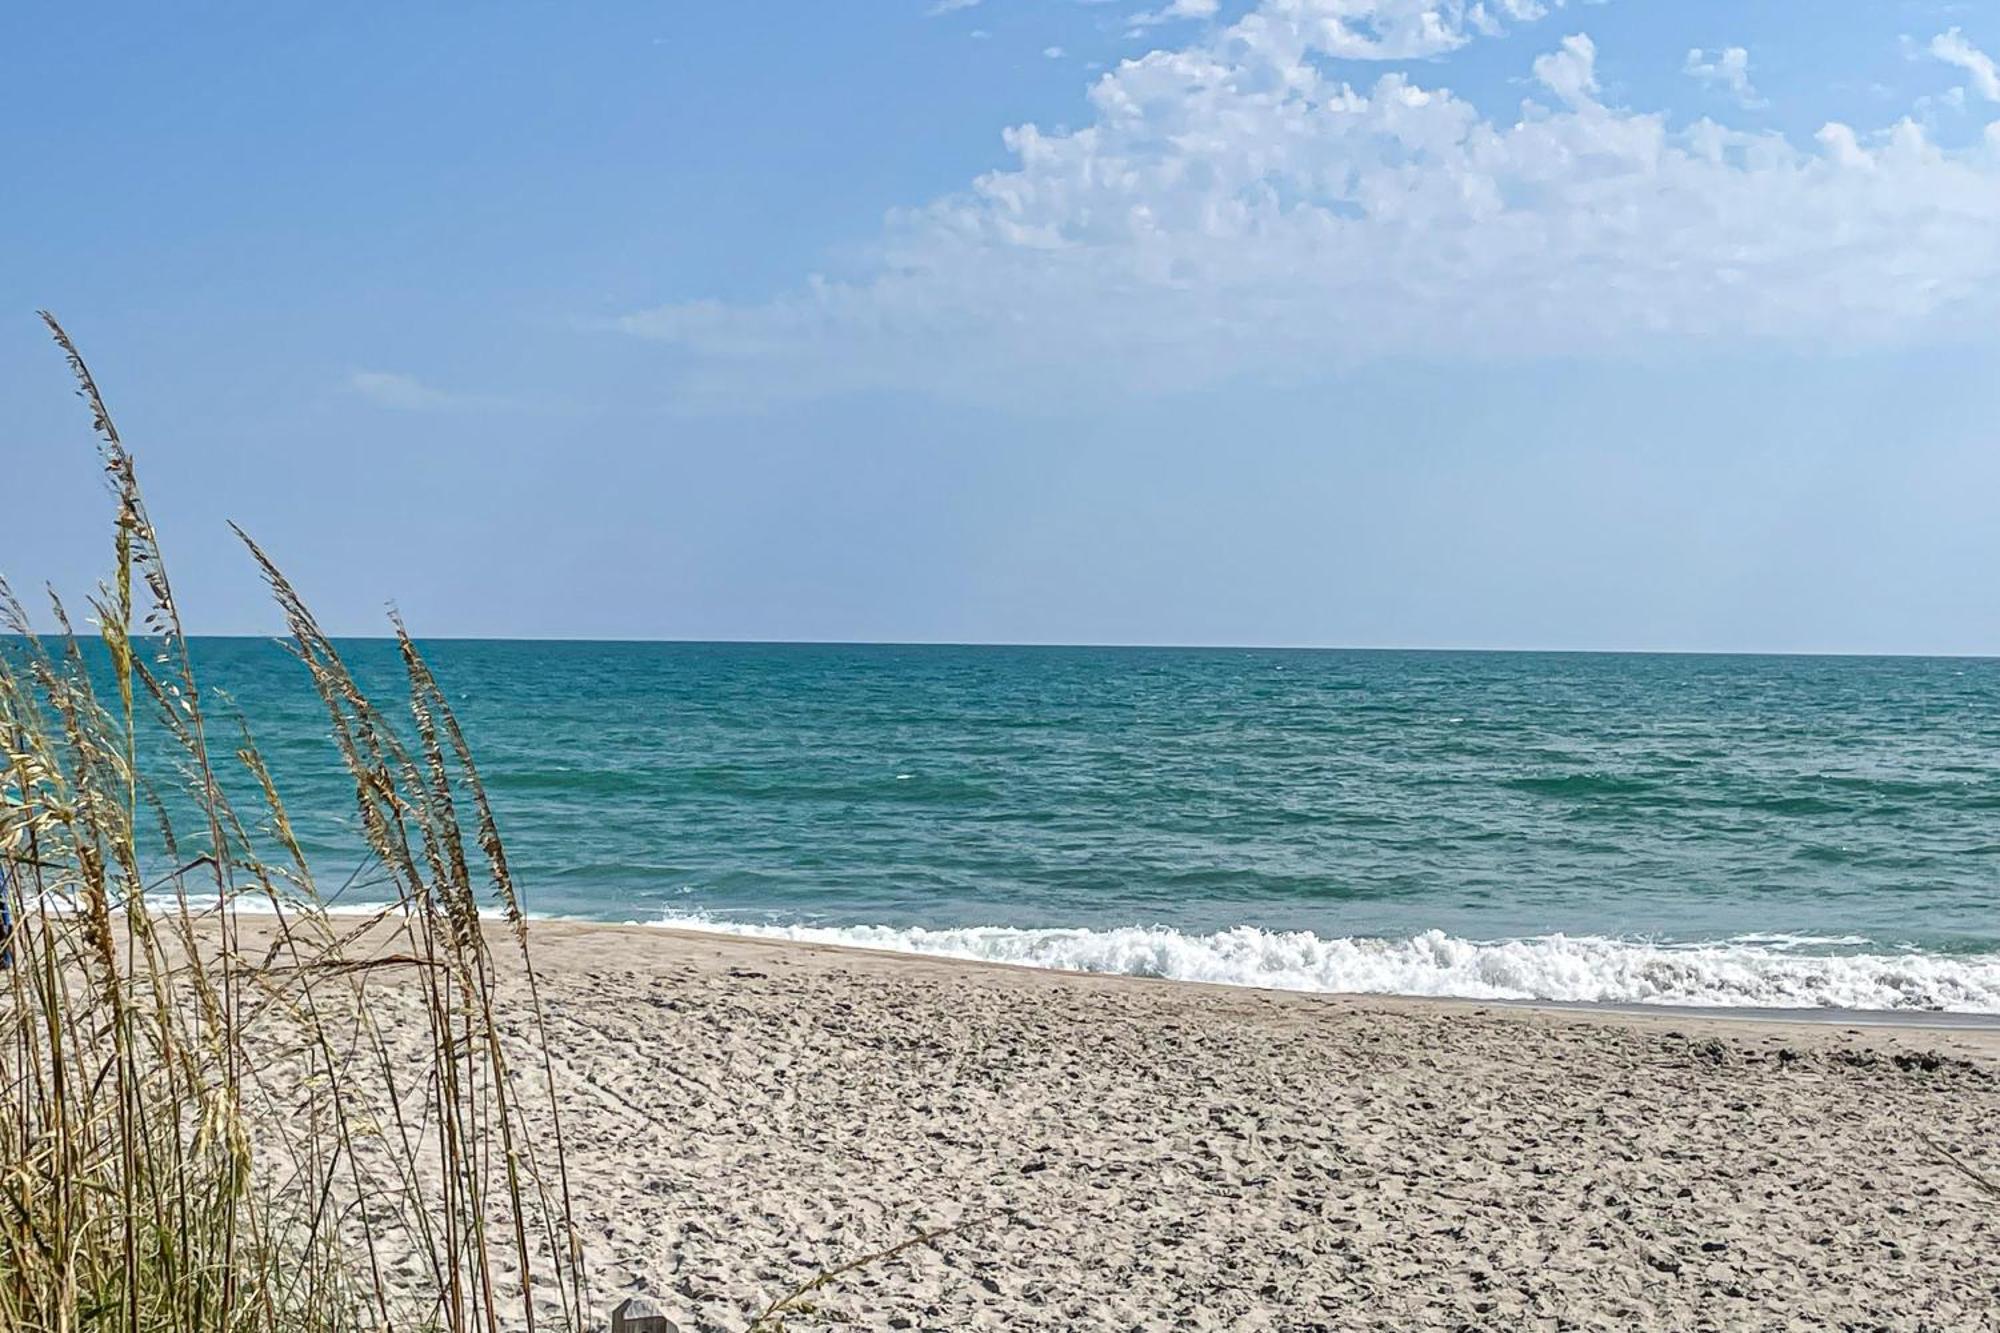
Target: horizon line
<point>1156,646</point>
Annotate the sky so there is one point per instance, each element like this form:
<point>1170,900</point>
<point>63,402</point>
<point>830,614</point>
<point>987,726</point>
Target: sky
<point>1606,324</point>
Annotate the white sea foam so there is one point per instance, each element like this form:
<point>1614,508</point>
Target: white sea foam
<point>1753,972</point>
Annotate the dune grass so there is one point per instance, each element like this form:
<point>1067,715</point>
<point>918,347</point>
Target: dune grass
<point>222,1107</point>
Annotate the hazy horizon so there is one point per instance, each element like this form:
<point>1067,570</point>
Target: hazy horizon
<point>1468,649</point>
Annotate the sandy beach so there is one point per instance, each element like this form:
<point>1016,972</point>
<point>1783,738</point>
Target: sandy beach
<point>1126,1154</point>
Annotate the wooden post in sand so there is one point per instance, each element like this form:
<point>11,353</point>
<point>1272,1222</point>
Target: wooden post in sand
<point>641,1314</point>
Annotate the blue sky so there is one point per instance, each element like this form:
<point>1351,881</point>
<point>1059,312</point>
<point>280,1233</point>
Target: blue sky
<point>1345,322</point>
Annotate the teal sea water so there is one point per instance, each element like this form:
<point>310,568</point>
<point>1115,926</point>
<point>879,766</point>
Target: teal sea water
<point>1634,828</point>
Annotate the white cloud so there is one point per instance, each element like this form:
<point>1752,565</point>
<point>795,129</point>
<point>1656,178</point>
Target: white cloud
<point>406,393</point>
<point>1570,72</point>
<point>1727,69</point>
<point>1284,30</point>
<point>1842,147</point>
<point>1053,52</point>
<point>1174,12</point>
<point>1952,48</point>
<point>949,7</point>
<point>1234,208</point>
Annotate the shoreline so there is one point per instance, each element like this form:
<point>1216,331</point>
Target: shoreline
<point>742,1115</point>
<point>1920,1019</point>
<point>1206,1156</point>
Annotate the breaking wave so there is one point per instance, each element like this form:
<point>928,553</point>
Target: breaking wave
<point>1759,972</point>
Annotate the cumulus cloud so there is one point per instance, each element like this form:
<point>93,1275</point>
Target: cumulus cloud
<point>1235,207</point>
<point>1952,48</point>
<point>1286,30</point>
<point>949,7</point>
<point>1177,10</point>
<point>1571,71</point>
<point>1727,69</point>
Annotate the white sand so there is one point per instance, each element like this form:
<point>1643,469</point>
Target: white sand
<point>1156,1155</point>
<point>743,1114</point>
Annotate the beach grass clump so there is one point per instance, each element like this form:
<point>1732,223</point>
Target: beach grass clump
<point>222,1106</point>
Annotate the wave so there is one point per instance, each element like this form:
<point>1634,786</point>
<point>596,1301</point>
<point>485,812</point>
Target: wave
<point>1757,972</point>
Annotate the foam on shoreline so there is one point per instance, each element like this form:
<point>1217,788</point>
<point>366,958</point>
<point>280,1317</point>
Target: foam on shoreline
<point>1749,973</point>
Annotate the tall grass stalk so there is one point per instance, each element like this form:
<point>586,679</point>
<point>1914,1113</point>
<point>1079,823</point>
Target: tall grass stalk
<point>221,1107</point>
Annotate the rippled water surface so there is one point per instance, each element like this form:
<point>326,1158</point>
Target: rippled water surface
<point>1199,812</point>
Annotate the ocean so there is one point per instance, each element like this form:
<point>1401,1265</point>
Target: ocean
<point>1715,830</point>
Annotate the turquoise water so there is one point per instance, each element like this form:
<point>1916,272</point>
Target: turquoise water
<point>1742,830</point>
